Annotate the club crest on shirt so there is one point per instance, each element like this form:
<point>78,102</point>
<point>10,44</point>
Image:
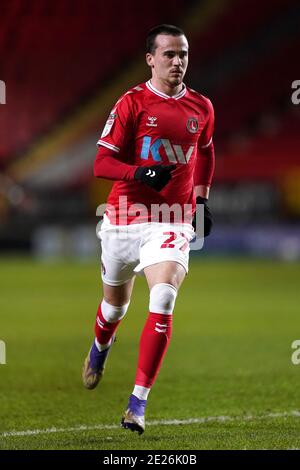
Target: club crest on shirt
<point>109,123</point>
<point>192,125</point>
<point>152,121</point>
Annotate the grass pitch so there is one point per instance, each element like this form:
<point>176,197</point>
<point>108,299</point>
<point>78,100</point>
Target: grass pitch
<point>230,357</point>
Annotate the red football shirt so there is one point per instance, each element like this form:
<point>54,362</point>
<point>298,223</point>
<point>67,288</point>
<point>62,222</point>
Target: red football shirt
<point>147,127</point>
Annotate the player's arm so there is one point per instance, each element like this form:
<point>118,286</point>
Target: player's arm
<point>117,133</point>
<point>205,162</point>
<point>204,170</point>
<point>108,166</point>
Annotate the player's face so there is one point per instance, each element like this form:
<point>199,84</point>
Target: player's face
<point>170,59</point>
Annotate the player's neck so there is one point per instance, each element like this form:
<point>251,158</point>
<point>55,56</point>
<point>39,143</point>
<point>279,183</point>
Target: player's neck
<point>165,88</point>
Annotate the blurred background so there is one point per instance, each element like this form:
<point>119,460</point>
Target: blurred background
<point>65,63</point>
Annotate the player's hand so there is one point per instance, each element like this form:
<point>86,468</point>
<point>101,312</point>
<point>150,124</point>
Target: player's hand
<point>208,220</point>
<point>156,176</point>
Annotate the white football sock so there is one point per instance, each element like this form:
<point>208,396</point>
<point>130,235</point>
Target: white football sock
<point>141,392</point>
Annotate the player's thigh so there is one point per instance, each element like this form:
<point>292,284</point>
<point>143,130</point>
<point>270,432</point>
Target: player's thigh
<point>164,255</point>
<point>169,272</point>
<point>119,257</point>
<point>118,295</point>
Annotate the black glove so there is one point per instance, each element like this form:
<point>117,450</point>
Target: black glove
<point>208,220</point>
<point>156,176</point>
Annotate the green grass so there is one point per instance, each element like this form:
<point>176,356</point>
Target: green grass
<point>230,355</point>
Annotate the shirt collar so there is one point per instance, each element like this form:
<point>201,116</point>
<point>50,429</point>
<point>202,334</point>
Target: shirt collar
<point>164,95</point>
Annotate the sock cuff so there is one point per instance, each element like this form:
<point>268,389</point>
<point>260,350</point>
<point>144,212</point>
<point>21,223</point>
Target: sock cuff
<point>112,313</point>
<point>162,298</point>
<point>161,284</point>
<point>141,392</point>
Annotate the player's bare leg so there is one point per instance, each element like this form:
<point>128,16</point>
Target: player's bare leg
<point>110,312</point>
<point>164,280</point>
<point>169,272</point>
<point>118,295</point>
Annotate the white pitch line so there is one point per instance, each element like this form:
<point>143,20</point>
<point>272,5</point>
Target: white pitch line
<point>171,422</point>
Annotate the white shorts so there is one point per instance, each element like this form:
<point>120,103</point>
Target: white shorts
<point>128,249</point>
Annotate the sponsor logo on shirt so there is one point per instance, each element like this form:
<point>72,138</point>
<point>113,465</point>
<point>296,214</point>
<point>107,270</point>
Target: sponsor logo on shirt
<point>175,153</point>
<point>151,121</point>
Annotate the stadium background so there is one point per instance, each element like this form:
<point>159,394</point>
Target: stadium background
<point>64,65</point>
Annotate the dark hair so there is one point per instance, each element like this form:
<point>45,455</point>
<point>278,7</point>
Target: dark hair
<point>168,29</point>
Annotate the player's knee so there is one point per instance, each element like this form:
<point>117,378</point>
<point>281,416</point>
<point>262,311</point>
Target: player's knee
<point>111,313</point>
<point>162,298</point>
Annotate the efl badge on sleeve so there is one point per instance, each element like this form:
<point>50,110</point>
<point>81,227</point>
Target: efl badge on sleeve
<point>109,123</point>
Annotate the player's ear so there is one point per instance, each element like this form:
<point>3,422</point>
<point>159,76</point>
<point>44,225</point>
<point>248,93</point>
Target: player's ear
<point>149,59</point>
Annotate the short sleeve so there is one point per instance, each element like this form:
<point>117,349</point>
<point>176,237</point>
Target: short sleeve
<point>119,125</point>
